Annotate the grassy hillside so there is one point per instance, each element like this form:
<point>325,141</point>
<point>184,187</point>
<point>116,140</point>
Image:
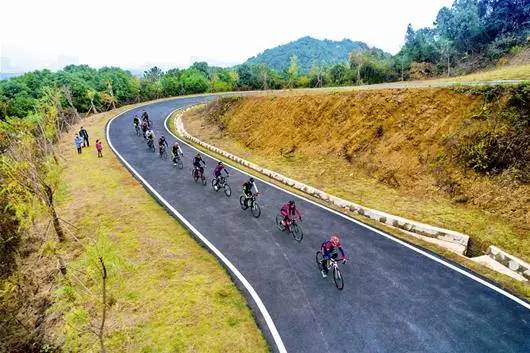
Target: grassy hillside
<point>166,293</point>
<point>309,51</point>
<point>441,156</point>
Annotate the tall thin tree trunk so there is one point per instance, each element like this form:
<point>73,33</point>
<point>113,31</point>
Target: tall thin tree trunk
<point>55,218</point>
<point>104,299</point>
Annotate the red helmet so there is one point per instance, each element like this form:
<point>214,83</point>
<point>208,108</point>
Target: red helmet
<point>335,240</point>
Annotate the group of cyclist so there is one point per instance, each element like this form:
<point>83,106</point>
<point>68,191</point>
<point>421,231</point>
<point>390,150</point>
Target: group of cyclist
<point>330,248</point>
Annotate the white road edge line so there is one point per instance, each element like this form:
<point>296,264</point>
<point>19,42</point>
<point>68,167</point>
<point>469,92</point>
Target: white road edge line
<point>380,232</point>
<point>272,328</point>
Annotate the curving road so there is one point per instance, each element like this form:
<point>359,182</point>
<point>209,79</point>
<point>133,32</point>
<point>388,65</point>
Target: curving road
<point>397,298</point>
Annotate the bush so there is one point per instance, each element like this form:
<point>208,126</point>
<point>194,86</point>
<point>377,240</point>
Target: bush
<point>501,141</point>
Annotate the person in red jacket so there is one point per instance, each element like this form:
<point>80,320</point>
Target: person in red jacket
<point>99,148</point>
<point>288,211</point>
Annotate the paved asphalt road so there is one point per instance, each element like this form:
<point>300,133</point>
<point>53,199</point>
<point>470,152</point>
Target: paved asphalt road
<point>395,299</point>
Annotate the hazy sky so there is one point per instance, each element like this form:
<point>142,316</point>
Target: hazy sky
<point>38,34</point>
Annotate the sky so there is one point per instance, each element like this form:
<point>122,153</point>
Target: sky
<point>36,34</point>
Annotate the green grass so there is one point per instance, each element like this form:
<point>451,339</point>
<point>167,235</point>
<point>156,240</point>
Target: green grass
<point>166,292</point>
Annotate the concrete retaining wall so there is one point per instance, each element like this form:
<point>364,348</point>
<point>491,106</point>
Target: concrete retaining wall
<point>510,261</point>
<point>379,216</point>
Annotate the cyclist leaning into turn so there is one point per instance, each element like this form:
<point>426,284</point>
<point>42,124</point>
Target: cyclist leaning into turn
<point>162,141</point>
<point>217,172</point>
<point>247,189</point>
<point>150,135</point>
<point>289,211</point>
<point>197,160</point>
<point>176,151</point>
<point>330,250</point>
<point>162,145</point>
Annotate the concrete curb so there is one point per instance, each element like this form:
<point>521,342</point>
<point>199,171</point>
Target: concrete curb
<point>513,263</point>
<point>395,221</point>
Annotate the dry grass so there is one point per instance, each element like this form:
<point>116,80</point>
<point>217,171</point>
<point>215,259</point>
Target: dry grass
<point>514,72</point>
<point>381,149</point>
<point>167,293</point>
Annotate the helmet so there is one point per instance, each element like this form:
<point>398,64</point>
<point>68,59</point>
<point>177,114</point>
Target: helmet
<point>291,202</point>
<point>251,180</point>
<point>220,163</point>
<point>335,240</point>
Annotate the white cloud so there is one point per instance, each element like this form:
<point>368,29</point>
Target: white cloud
<point>37,34</point>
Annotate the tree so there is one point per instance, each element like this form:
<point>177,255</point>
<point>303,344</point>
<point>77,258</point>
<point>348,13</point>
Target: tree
<point>292,72</point>
<point>244,73</point>
<point>194,81</point>
<point>339,74</point>
<point>153,74</point>
<point>201,66</point>
<point>462,25</point>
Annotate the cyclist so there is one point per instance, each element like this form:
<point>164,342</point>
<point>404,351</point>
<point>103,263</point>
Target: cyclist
<point>136,121</point>
<point>197,160</point>
<point>162,144</point>
<point>217,173</point>
<point>330,250</point>
<point>144,127</point>
<point>247,190</point>
<point>145,117</point>
<point>150,136</point>
<point>289,210</point>
<point>176,151</point>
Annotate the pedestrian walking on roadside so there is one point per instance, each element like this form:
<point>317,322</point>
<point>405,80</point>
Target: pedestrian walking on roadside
<point>99,147</point>
<point>84,134</point>
<point>78,143</point>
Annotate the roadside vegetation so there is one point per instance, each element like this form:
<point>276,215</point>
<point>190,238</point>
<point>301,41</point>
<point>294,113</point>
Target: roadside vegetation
<point>166,293</point>
<point>456,158</point>
<point>163,291</point>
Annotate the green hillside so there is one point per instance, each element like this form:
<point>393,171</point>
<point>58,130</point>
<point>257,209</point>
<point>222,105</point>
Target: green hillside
<point>310,52</point>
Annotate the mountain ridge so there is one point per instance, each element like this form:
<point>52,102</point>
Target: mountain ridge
<point>309,51</point>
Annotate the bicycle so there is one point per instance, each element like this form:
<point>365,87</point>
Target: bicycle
<point>163,151</point>
<point>150,145</point>
<point>222,183</point>
<point>197,174</point>
<point>178,162</point>
<point>254,206</point>
<point>137,129</point>
<point>293,228</point>
<point>332,264</point>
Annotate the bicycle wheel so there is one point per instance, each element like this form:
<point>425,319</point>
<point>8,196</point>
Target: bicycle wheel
<point>180,164</point>
<point>213,185</point>
<point>164,155</point>
<point>242,202</point>
<point>255,209</point>
<point>279,219</point>
<point>296,231</point>
<point>194,175</point>
<point>228,190</point>
<point>337,278</point>
<point>203,180</point>
<point>319,257</point>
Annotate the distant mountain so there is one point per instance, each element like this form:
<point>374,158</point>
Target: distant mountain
<point>6,75</point>
<point>310,52</point>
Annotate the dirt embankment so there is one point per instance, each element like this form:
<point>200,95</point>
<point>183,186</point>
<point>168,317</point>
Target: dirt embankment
<point>457,158</point>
